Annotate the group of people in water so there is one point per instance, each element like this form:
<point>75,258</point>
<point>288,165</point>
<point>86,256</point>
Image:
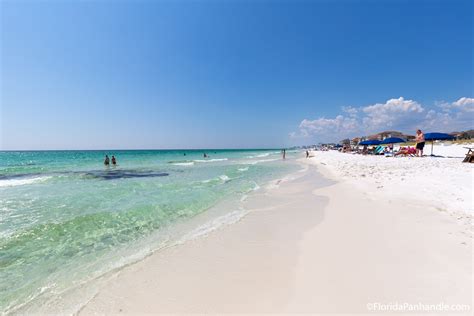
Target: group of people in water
<point>113,160</point>
<point>420,144</point>
<point>107,160</point>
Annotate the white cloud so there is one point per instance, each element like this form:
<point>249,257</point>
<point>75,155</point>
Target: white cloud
<point>392,113</point>
<point>464,104</point>
<point>397,114</point>
<point>438,120</point>
<point>352,111</point>
<point>340,125</point>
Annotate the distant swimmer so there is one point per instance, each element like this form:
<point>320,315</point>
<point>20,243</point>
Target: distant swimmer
<point>205,155</point>
<point>106,161</point>
<point>184,154</point>
<point>114,161</point>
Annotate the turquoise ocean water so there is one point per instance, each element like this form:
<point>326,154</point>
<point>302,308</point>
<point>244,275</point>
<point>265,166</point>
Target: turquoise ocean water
<point>66,219</point>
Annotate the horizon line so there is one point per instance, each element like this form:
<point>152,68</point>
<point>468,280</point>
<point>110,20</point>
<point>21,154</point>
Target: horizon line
<point>139,149</point>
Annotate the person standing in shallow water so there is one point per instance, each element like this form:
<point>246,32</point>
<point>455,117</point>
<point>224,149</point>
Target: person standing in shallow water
<point>106,161</point>
<point>284,153</point>
<point>114,161</point>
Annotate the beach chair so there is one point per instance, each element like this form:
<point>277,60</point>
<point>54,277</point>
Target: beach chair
<point>388,152</point>
<point>406,152</point>
<point>470,155</point>
<point>378,150</point>
<point>411,151</point>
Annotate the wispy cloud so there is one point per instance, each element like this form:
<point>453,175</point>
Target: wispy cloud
<point>463,105</point>
<point>398,114</point>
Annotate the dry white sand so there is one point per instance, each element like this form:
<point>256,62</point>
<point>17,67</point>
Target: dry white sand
<point>441,182</point>
<point>306,246</point>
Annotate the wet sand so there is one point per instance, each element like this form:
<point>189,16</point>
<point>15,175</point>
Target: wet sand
<point>307,245</point>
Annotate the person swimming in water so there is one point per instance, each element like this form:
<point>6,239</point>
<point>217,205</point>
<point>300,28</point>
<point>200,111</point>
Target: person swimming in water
<point>114,161</point>
<point>106,161</point>
<point>205,155</point>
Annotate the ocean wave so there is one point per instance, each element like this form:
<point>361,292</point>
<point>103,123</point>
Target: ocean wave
<point>191,163</point>
<point>260,161</point>
<point>224,220</point>
<point>222,178</point>
<point>178,161</point>
<point>256,187</point>
<point>243,169</point>
<point>259,156</point>
<point>210,160</point>
<point>16,182</point>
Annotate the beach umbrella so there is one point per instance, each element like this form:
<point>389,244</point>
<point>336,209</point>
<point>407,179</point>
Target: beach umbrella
<point>437,136</point>
<point>393,140</point>
<point>370,142</point>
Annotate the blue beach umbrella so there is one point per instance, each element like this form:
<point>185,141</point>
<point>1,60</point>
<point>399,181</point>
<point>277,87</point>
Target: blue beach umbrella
<point>437,136</point>
<point>370,142</point>
<point>393,140</point>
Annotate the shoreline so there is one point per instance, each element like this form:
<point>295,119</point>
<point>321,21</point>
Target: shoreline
<point>300,248</point>
<point>246,235</point>
<point>226,212</point>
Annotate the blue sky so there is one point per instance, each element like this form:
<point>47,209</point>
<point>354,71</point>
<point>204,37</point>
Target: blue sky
<point>200,74</point>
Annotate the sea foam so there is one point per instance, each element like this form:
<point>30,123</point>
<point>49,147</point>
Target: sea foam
<point>210,160</point>
<point>16,182</point>
<point>216,223</point>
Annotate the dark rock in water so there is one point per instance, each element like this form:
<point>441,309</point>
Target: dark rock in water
<point>96,174</point>
<point>17,176</point>
<point>120,174</point>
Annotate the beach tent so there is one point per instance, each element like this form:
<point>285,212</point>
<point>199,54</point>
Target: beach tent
<point>437,136</point>
<point>370,142</point>
<point>393,140</point>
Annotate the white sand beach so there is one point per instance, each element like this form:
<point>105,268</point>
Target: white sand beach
<point>372,233</point>
<point>440,182</point>
<point>153,157</point>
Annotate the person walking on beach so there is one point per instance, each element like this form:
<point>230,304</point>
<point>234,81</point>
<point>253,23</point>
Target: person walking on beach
<point>114,161</point>
<point>420,142</point>
<point>307,154</point>
<point>106,161</point>
<point>284,153</point>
